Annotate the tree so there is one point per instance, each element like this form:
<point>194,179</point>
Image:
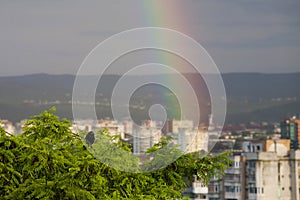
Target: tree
<point>48,161</point>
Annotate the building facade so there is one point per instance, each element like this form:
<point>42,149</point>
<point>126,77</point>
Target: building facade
<point>145,137</point>
<point>263,170</point>
<point>290,129</point>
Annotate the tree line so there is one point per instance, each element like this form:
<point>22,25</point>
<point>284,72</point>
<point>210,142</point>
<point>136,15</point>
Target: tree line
<point>48,161</point>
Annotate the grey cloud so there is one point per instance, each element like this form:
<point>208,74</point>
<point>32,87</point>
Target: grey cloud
<point>55,36</point>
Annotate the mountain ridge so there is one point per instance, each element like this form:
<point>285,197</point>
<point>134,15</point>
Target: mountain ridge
<point>258,91</point>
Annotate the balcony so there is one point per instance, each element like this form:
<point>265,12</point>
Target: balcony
<point>232,195</point>
<point>199,188</point>
<point>232,171</point>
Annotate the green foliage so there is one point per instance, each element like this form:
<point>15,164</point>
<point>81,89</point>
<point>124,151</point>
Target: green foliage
<point>48,161</point>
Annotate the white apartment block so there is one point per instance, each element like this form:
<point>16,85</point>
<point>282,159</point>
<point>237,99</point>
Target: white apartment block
<point>191,140</point>
<point>127,127</point>
<point>264,170</point>
<point>194,140</point>
<point>145,137</point>
<point>111,126</point>
<point>181,124</point>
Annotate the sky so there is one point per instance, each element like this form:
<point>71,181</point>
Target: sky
<point>241,36</point>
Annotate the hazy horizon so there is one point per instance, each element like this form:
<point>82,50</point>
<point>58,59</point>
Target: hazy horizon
<point>65,74</point>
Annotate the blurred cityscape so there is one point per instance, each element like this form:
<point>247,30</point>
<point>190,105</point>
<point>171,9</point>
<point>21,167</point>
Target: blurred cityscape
<point>266,157</point>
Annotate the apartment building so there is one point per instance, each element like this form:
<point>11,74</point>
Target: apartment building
<point>145,137</point>
<point>263,170</point>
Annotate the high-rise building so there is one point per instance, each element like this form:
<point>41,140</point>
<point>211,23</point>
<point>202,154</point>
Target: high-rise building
<point>128,127</point>
<point>167,127</point>
<point>290,129</point>
<point>191,140</point>
<point>145,137</point>
<point>181,124</point>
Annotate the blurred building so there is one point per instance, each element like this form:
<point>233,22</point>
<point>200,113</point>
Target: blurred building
<point>173,126</point>
<point>111,126</point>
<point>290,129</point>
<point>191,139</point>
<point>127,127</point>
<point>181,124</point>
<point>145,137</point>
<point>197,190</point>
<point>8,126</point>
<point>83,125</point>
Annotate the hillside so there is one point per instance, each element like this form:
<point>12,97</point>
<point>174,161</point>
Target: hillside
<point>250,96</point>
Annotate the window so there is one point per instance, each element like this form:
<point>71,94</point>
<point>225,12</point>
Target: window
<point>252,164</point>
<point>233,189</point>
<point>258,190</point>
<point>236,164</point>
<point>252,190</point>
<point>216,188</point>
<point>258,148</point>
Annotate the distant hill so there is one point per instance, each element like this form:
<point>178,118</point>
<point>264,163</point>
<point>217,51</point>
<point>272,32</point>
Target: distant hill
<point>258,85</point>
<point>251,96</point>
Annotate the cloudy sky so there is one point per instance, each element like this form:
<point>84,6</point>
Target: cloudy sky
<point>241,36</point>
